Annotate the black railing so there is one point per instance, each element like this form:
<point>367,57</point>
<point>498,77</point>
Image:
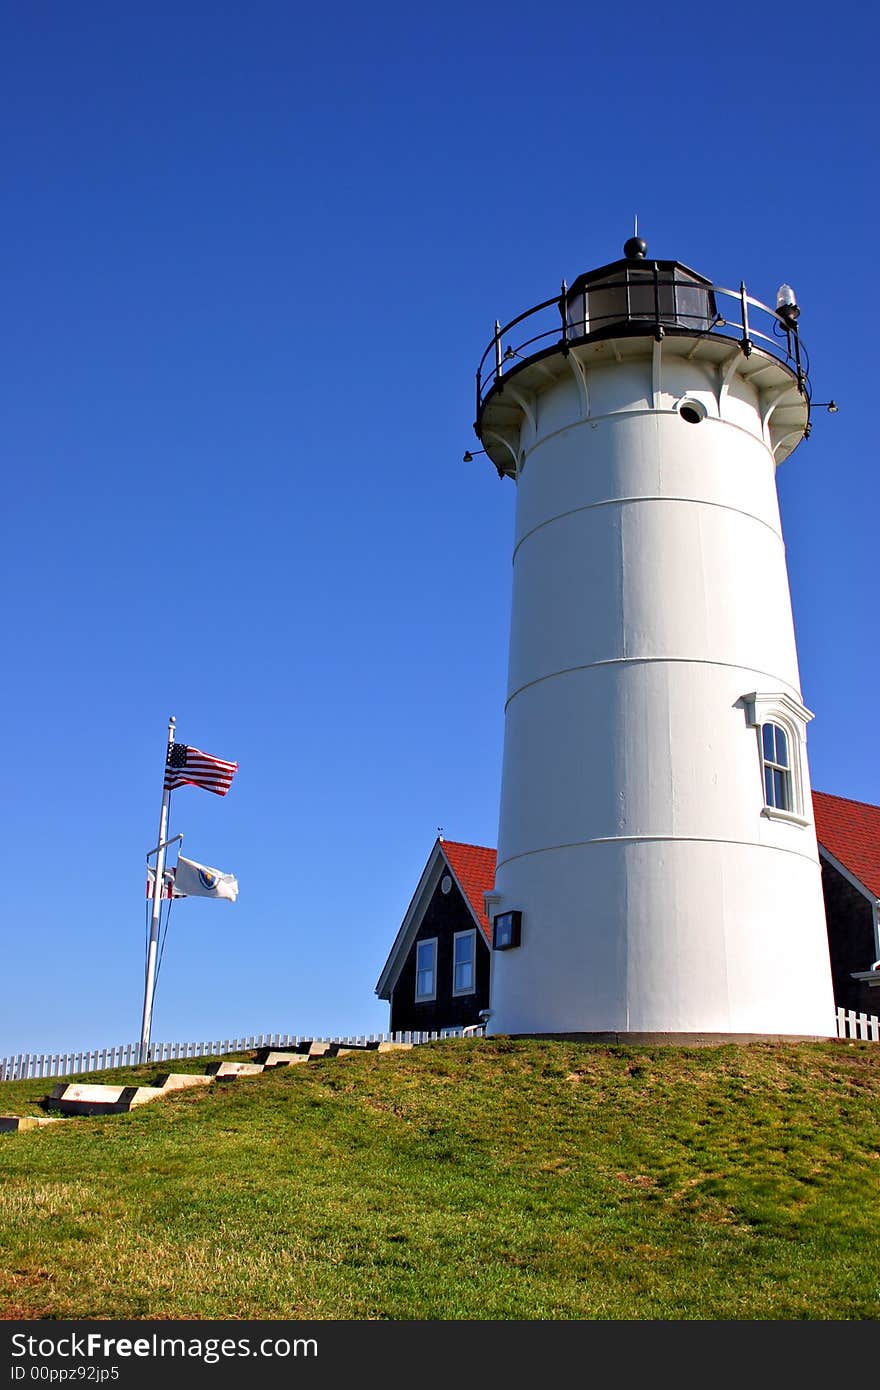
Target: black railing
<point>722,313</point>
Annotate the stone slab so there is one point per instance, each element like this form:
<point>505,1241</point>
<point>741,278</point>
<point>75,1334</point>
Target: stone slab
<point>80,1098</point>
<point>234,1069</point>
<point>181,1080</point>
<point>10,1123</point>
<point>394,1047</point>
<point>283,1059</point>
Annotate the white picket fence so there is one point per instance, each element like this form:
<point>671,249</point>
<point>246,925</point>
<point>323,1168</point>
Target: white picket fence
<point>32,1065</point>
<point>29,1066</point>
<point>853,1025</point>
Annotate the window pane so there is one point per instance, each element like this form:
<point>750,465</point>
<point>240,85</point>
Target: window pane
<point>641,295</point>
<point>606,306</point>
<point>463,963</point>
<point>426,956</point>
<point>768,787</point>
<point>464,976</point>
<point>781,747</point>
<point>692,305</point>
<point>767,735</point>
<point>576,315</point>
<point>780,789</point>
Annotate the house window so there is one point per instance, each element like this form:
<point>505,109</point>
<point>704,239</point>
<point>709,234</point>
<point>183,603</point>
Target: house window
<point>426,970</point>
<point>464,951</point>
<point>777,767</point>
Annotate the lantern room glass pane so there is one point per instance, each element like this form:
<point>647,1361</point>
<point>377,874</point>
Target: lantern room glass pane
<point>607,305</point>
<point>692,303</point>
<point>575,314</point>
<point>641,294</point>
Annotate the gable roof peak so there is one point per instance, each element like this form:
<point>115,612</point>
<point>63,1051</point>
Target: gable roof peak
<point>473,868</point>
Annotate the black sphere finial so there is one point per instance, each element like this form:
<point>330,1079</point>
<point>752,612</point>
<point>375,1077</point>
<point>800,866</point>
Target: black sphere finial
<point>635,249</point>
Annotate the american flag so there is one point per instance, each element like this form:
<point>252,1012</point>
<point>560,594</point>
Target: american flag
<point>186,764</point>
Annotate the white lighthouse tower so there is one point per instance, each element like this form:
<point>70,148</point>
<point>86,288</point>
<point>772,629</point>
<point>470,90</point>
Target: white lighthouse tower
<point>657,864</point>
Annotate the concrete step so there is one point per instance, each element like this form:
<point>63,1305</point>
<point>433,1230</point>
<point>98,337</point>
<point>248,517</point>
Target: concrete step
<point>11,1123</point>
<point>224,1069</point>
<point>313,1048</point>
<point>271,1060</point>
<point>77,1098</point>
<point>81,1098</point>
<point>181,1080</point>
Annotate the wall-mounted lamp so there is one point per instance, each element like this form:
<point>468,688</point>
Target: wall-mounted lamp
<point>506,931</point>
<point>468,457</point>
<point>831,406</point>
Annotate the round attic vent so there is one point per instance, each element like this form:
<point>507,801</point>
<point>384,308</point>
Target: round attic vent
<point>446,884</point>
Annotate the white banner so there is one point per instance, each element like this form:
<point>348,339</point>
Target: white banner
<point>199,881</point>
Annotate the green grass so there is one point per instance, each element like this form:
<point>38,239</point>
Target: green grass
<point>464,1179</point>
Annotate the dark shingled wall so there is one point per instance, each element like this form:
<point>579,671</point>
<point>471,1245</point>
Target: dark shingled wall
<point>447,913</point>
<point>850,941</point>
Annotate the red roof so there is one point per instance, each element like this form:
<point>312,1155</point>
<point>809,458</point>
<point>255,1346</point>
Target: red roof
<point>850,831</point>
<point>474,868</point>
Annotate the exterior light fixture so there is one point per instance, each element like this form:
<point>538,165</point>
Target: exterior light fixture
<point>787,306</point>
<point>506,931</point>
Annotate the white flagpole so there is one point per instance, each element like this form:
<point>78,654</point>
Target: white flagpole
<point>150,983</point>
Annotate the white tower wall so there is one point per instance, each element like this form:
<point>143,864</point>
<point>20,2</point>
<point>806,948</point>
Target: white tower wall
<point>650,599</point>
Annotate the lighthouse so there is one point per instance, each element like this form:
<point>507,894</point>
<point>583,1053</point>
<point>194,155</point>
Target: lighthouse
<point>657,866</point>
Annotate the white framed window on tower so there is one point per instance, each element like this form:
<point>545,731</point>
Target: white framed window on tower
<point>776,759</point>
<point>426,970</point>
<point>781,725</point>
<point>464,963</point>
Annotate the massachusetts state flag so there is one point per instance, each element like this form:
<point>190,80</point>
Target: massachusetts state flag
<point>191,765</point>
<point>194,880</point>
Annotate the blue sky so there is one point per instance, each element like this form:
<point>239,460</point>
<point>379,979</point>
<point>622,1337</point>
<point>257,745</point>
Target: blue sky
<point>252,257</point>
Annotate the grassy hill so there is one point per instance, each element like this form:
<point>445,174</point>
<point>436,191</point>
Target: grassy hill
<point>464,1179</point>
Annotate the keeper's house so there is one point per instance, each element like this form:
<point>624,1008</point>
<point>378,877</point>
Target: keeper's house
<point>437,973</point>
